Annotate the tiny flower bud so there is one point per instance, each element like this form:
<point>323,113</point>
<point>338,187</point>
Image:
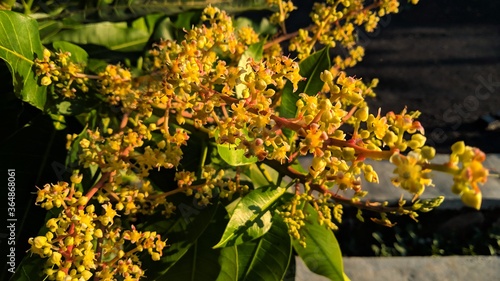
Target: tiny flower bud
<point>317,166</point>
<point>46,54</point>
<point>80,268</point>
<point>83,201</point>
<point>458,147</point>
<point>472,198</point>
<point>45,81</point>
<point>40,241</point>
<point>60,275</point>
<point>69,241</point>
<point>155,256</point>
<point>84,143</point>
<point>326,76</point>
<point>428,152</point>
<point>90,209</point>
<point>362,114</point>
<point>86,275</point>
<point>76,178</point>
<point>98,233</point>
<point>56,258</point>
<point>260,85</point>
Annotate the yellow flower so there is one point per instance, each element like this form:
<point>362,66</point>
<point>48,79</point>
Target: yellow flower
<point>56,258</point>
<point>109,215</point>
<point>410,175</point>
<point>40,241</point>
<point>378,125</point>
<point>313,142</point>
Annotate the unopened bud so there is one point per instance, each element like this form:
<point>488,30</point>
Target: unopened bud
<point>472,198</point>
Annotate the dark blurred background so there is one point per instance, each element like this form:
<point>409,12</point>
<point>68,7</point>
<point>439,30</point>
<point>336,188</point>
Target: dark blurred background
<point>440,57</point>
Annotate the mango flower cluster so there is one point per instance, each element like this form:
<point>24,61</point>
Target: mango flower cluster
<point>210,83</point>
<point>69,245</point>
<point>58,68</point>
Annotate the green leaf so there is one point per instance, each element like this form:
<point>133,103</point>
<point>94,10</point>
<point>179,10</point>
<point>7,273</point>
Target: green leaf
<point>164,30</point>
<point>257,177</point>
<point>19,46</point>
<point>29,269</point>
<point>96,65</point>
<point>252,216</point>
<point>291,270</point>
<point>201,262</point>
<point>322,254</point>
<point>234,156</point>
<point>49,28</point>
<point>266,258</point>
<point>261,175</point>
<point>181,231</point>
<point>186,19</point>
<point>78,54</point>
<point>120,10</point>
<point>297,166</point>
<point>265,27</point>
<point>114,36</point>
<point>228,261</point>
<point>310,68</point>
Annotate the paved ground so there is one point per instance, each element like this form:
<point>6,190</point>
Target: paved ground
<point>453,268</point>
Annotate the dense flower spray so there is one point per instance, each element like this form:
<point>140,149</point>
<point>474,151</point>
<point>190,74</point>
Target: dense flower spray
<point>212,83</point>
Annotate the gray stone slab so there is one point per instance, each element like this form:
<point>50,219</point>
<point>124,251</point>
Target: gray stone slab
<point>452,268</point>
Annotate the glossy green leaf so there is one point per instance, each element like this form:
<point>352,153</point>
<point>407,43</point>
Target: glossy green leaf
<point>29,269</point>
<point>291,270</point>
<point>181,231</point>
<point>310,68</point>
<point>266,258</point>
<point>264,27</point>
<point>252,217</point>
<point>96,65</point>
<point>49,28</point>
<point>164,30</point>
<point>120,10</point>
<point>322,254</point>
<point>261,175</point>
<point>200,262</point>
<point>297,166</point>
<point>228,261</point>
<point>186,19</point>
<point>257,177</point>
<point>19,46</point>
<point>78,54</point>
<point>114,36</point>
<point>234,156</point>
